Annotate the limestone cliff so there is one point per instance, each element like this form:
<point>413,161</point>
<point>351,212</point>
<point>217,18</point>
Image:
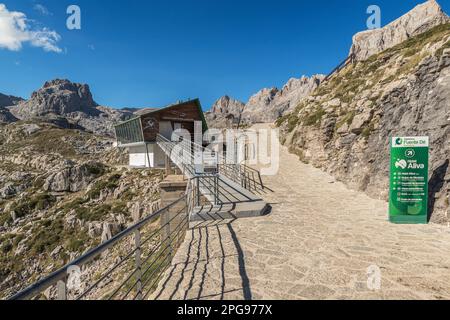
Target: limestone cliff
<point>225,112</point>
<point>422,18</point>
<point>265,106</point>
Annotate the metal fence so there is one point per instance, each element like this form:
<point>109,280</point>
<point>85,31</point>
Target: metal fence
<point>182,154</point>
<point>127,267</point>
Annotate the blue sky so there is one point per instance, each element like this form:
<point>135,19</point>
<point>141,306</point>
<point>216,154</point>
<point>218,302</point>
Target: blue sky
<point>140,53</point>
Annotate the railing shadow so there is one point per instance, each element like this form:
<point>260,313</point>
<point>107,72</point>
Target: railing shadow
<point>195,270</point>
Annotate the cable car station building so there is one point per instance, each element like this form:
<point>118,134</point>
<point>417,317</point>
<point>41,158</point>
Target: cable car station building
<point>139,134</point>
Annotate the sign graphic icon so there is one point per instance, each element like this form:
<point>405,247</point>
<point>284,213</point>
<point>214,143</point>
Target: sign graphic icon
<point>410,153</point>
<point>401,164</point>
<point>408,201</point>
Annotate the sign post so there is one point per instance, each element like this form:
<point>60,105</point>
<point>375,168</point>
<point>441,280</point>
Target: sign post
<point>408,202</point>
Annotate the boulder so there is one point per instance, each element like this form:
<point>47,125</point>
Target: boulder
<point>360,121</point>
<point>109,231</point>
<point>72,179</point>
<point>6,116</point>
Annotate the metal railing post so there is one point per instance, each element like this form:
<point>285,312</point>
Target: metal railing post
<point>62,289</point>
<point>216,190</point>
<point>138,265</point>
<point>198,191</point>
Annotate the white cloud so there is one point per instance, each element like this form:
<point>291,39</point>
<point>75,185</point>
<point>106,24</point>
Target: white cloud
<point>42,9</point>
<point>16,29</point>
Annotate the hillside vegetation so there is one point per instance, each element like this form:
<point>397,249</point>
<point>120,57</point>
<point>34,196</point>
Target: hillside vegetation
<point>62,192</point>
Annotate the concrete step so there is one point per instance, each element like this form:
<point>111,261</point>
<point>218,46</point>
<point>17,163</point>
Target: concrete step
<point>230,211</point>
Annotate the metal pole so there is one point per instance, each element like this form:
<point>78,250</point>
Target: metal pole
<point>216,190</point>
<point>138,265</point>
<point>62,290</point>
<point>198,191</point>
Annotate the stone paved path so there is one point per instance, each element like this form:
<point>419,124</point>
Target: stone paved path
<point>317,243</point>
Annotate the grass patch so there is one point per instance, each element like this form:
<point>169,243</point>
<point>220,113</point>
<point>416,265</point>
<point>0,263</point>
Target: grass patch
<point>47,238</point>
<point>93,214</point>
<point>440,51</point>
<point>27,205</point>
<point>314,118</point>
<point>110,183</point>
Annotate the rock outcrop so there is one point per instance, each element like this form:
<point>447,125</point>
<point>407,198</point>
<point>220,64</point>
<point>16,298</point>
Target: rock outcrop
<point>270,104</point>
<point>6,116</point>
<point>69,105</point>
<point>225,112</point>
<point>420,19</point>
<point>8,101</point>
<point>265,106</point>
<point>59,97</point>
<point>73,178</point>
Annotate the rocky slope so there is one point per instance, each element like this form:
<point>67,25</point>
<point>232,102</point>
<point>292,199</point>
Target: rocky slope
<point>344,127</point>
<point>265,106</point>
<point>270,104</point>
<point>6,101</point>
<point>62,191</point>
<point>422,18</point>
<point>67,104</point>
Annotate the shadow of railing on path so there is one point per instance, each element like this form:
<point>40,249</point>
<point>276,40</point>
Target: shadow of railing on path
<point>198,267</point>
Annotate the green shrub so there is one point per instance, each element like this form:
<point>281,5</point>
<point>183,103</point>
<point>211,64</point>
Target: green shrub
<point>95,169</point>
<point>440,51</point>
<point>292,122</point>
<point>314,118</point>
<point>110,183</point>
<point>120,207</point>
<point>28,204</point>
<point>6,247</point>
<point>77,242</point>
<point>48,237</point>
<point>94,214</point>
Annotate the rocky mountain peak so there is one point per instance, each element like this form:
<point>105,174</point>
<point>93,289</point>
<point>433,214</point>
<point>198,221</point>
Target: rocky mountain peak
<point>59,97</point>
<point>420,19</point>
<point>271,103</point>
<point>66,104</point>
<point>227,105</point>
<point>262,98</point>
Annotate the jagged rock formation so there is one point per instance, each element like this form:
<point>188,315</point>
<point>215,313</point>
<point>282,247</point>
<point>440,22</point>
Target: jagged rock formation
<point>59,97</point>
<point>69,105</point>
<point>6,116</point>
<point>270,104</point>
<point>265,106</point>
<point>422,18</point>
<point>7,101</point>
<point>345,126</point>
<point>225,112</point>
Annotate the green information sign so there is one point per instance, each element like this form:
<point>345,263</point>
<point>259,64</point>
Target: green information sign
<point>409,180</point>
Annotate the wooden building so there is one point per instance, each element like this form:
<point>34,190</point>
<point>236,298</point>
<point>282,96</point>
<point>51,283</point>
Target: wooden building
<point>139,134</point>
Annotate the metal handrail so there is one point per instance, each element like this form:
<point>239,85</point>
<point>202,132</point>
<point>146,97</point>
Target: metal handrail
<point>248,178</point>
<point>61,274</point>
